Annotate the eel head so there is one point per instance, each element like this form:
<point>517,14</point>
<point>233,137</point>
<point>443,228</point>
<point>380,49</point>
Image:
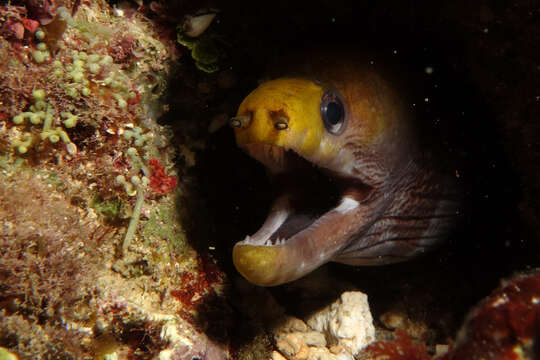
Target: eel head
<point>335,151</point>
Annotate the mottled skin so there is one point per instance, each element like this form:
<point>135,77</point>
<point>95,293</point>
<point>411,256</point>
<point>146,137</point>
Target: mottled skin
<point>392,205</point>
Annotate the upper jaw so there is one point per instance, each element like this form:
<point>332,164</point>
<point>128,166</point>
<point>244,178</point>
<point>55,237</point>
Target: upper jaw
<point>308,192</point>
<point>277,216</point>
<point>271,156</point>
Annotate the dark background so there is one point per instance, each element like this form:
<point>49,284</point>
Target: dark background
<point>484,100</point>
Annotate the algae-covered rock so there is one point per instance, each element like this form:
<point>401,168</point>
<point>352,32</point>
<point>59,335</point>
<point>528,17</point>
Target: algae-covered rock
<point>92,239</point>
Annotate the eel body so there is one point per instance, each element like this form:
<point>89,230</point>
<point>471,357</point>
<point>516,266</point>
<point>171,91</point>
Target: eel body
<point>342,151</point>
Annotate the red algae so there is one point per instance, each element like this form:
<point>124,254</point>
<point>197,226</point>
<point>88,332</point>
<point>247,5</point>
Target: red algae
<point>198,288</point>
<point>30,25</point>
<point>505,325</point>
<point>196,285</point>
<point>403,347</point>
<point>136,99</point>
<point>160,182</point>
<point>122,48</point>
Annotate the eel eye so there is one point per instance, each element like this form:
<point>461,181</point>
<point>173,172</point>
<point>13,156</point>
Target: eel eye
<point>333,112</point>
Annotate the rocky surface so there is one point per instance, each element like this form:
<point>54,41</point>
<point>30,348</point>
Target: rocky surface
<point>338,331</point>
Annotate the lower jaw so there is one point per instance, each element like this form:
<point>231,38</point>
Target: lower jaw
<point>272,265</point>
<point>275,254</point>
<point>261,265</point>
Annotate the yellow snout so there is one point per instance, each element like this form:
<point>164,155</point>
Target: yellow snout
<point>285,113</point>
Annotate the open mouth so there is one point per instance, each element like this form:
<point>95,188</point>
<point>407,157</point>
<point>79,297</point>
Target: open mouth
<point>306,193</point>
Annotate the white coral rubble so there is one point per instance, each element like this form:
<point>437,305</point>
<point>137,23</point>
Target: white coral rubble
<point>347,322</point>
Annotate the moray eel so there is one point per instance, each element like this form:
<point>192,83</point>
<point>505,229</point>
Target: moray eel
<point>342,149</point>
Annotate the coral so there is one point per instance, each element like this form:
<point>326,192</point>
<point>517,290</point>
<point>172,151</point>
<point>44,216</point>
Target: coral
<point>347,322</point>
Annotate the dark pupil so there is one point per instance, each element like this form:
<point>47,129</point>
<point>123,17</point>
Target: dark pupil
<point>334,111</point>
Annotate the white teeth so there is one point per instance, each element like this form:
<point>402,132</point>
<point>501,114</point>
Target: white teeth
<point>247,240</point>
<point>251,241</point>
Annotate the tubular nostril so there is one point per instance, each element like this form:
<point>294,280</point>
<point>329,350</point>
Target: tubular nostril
<point>241,121</point>
<point>281,123</point>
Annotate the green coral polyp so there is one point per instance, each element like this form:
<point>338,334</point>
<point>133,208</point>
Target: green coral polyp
<point>39,105</point>
<point>130,189</point>
<point>34,117</point>
<point>81,70</point>
<point>78,63</point>
<point>40,56</point>
<point>94,68</point>
<point>40,34</point>
<point>38,94</point>
<point>122,104</point>
<point>137,162</point>
<point>136,133</point>
<point>72,92</point>
<point>22,145</point>
<point>77,76</point>
<point>55,135</point>
<point>92,58</point>
<point>38,116</point>
<point>106,60</point>
<point>70,119</point>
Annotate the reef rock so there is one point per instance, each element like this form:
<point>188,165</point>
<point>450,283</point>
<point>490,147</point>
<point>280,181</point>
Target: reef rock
<point>504,325</point>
